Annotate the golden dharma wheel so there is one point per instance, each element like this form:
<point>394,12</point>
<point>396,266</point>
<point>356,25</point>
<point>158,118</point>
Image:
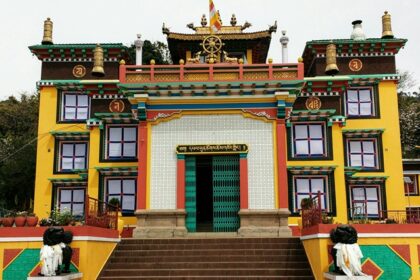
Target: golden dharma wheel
<point>212,44</point>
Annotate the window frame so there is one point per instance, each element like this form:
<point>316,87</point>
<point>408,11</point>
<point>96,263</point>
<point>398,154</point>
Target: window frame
<point>377,152</point>
<point>373,101</point>
<point>324,194</point>
<point>62,107</point>
<point>415,185</point>
<point>58,198</point>
<point>381,200</point>
<point>329,189</point>
<point>105,144</point>
<point>106,194</point>
<point>326,142</point>
<point>59,156</point>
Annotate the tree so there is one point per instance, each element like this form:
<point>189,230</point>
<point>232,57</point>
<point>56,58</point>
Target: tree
<point>158,51</point>
<point>409,109</point>
<point>18,132</point>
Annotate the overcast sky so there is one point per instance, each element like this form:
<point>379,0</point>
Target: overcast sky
<point>105,21</point>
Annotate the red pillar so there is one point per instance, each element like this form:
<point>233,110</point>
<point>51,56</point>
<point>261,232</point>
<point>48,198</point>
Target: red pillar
<point>243,169</point>
<point>283,192</point>
<point>180,182</point>
<point>142,137</point>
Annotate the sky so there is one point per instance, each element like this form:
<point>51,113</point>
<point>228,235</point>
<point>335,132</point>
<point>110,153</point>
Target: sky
<point>106,21</point>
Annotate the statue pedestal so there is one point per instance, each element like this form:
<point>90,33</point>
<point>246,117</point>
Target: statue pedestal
<point>333,276</point>
<point>69,276</point>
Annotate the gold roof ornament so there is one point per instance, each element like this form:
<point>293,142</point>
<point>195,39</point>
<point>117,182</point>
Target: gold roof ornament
<point>98,62</point>
<point>386,26</point>
<point>212,46</point>
<point>203,21</point>
<point>331,68</point>
<point>233,20</point>
<point>48,28</point>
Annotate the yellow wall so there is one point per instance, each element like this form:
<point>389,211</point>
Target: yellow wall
<point>389,121</point>
<point>92,258</point>
<point>45,150</point>
<point>45,155</point>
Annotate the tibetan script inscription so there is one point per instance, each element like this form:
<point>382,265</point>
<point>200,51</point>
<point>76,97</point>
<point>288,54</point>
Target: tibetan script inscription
<point>313,103</point>
<point>355,65</point>
<point>116,106</point>
<point>79,71</point>
<point>212,149</point>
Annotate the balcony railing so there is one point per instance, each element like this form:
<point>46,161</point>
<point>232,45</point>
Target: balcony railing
<point>410,216</point>
<point>210,72</point>
<point>312,215</point>
<point>100,214</point>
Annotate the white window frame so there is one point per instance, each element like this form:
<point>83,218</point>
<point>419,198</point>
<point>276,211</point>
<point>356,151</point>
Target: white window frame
<point>295,139</point>
<point>359,102</point>
<point>362,153</point>
<point>122,193</point>
<point>415,184</point>
<point>71,201</point>
<point>74,156</point>
<point>76,107</point>
<point>365,201</point>
<point>109,142</point>
<point>304,194</point>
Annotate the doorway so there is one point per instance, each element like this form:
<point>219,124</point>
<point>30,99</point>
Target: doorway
<point>212,193</point>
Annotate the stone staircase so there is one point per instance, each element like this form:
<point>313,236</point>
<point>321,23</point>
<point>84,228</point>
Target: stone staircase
<point>208,258</point>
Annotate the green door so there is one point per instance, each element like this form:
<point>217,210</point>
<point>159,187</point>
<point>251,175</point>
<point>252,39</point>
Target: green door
<point>225,193</point>
<point>190,193</point>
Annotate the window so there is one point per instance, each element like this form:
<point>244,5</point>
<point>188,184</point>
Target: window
<point>365,201</point>
<point>121,142</point>
<point>309,186</point>
<point>308,140</point>
<point>359,102</point>
<point>362,153</point>
<point>73,155</point>
<point>413,215</point>
<point>75,107</point>
<point>72,199</point>
<point>124,189</point>
<point>410,185</point>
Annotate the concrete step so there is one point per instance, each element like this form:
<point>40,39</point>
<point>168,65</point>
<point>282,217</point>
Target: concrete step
<point>208,272</point>
<point>206,265</point>
<point>209,252</point>
<point>209,240</point>
<point>233,246</point>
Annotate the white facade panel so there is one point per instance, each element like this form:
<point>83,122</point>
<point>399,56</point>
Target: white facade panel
<point>212,129</point>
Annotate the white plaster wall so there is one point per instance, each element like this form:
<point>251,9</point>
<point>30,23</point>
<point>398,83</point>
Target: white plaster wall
<point>212,129</point>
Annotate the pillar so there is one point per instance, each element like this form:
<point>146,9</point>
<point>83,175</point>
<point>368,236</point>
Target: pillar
<point>180,182</point>
<point>283,191</point>
<point>143,133</point>
<point>243,171</point>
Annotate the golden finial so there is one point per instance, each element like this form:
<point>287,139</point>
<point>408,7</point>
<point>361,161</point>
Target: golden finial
<point>219,17</point>
<point>181,62</point>
<point>386,26</point>
<point>300,59</point>
<point>241,61</point>
<point>98,62</point>
<point>122,62</point>
<point>203,21</point>
<point>233,20</point>
<point>152,62</point>
<point>48,28</point>
<point>270,60</point>
<point>331,60</point>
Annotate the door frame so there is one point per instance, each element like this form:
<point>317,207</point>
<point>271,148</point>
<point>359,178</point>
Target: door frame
<point>243,173</point>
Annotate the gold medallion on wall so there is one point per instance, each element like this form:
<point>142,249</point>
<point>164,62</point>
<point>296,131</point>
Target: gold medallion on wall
<point>79,71</point>
<point>313,103</point>
<point>355,65</point>
<point>116,106</point>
